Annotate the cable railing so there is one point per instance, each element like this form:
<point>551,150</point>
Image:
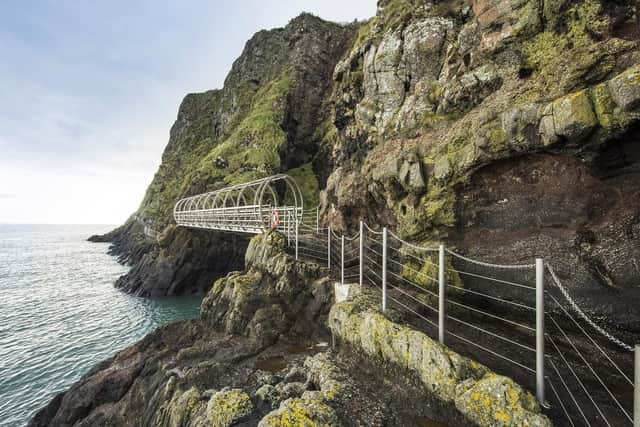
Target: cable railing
<point>517,319</point>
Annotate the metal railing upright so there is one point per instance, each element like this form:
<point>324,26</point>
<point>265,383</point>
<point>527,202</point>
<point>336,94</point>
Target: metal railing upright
<point>498,319</point>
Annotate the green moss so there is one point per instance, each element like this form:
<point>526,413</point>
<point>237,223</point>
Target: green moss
<point>440,203</point>
<point>610,116</point>
<point>542,51</point>
<point>435,209</point>
<point>497,139</point>
<point>396,13</point>
<point>256,142</point>
<point>227,407</point>
<point>302,413</point>
<point>529,22</point>
<point>364,34</point>
<point>306,179</point>
<point>569,53</point>
<point>327,133</point>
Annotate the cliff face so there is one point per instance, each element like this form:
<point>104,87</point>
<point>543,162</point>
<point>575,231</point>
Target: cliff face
<point>506,128</point>
<point>262,122</point>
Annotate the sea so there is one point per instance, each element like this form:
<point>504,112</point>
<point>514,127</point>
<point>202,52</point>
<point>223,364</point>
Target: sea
<point>60,314</point>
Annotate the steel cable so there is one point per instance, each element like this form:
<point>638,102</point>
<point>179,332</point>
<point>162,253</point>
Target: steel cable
<point>581,313</point>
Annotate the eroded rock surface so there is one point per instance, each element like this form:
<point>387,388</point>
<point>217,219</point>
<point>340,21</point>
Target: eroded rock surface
<point>483,397</point>
<point>259,355</point>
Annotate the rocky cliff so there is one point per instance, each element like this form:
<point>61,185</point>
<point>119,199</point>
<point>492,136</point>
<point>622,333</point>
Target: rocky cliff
<point>261,122</point>
<point>259,355</point>
<point>508,129</point>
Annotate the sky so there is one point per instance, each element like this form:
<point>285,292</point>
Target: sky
<point>89,91</point>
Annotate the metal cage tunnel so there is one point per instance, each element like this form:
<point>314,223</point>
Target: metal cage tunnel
<point>254,207</point>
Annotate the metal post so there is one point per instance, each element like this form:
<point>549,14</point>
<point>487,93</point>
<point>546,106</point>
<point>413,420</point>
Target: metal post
<point>441,295</point>
<point>361,251</point>
<point>296,239</point>
<point>636,389</point>
<point>540,330</point>
<point>318,219</point>
<point>329,247</point>
<point>288,219</point>
<point>342,259</point>
<point>384,269</point>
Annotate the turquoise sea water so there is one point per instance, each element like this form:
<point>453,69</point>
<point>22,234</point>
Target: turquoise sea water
<point>60,314</point>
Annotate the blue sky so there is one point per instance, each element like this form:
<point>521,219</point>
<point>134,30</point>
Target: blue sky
<point>89,91</point>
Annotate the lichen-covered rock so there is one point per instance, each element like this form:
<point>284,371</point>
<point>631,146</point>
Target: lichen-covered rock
<point>180,409</point>
<point>271,296</point>
<point>228,407</point>
<point>625,89</point>
<point>302,413</point>
<point>461,94</point>
<point>495,400</point>
<point>482,396</point>
<point>402,61</point>
<point>571,118</point>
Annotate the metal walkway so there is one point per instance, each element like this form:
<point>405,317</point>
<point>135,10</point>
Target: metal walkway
<point>270,203</point>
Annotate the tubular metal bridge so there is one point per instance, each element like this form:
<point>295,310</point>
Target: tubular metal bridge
<point>253,207</point>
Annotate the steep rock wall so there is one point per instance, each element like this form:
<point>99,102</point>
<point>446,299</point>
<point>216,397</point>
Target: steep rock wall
<point>507,129</point>
<point>501,121</point>
<point>261,122</point>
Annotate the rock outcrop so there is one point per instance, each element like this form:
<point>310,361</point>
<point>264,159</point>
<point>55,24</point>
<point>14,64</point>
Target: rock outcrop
<point>261,122</point>
<point>259,356</point>
<point>481,396</point>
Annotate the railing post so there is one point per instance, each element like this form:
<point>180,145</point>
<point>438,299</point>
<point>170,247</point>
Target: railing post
<point>384,269</point>
<point>288,218</point>
<point>296,239</point>
<point>342,259</point>
<point>441,295</point>
<point>540,330</point>
<point>329,247</point>
<point>636,388</point>
<point>361,251</point>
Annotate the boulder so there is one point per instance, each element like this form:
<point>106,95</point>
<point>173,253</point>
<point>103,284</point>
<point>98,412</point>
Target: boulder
<point>228,407</point>
<point>447,376</point>
<point>303,412</point>
<point>495,400</point>
<point>625,89</point>
<point>570,118</point>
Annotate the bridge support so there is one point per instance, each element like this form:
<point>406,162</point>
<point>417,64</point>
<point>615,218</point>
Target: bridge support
<point>329,247</point>
<point>342,259</point>
<point>540,330</point>
<point>636,388</point>
<point>384,269</point>
<point>361,252</point>
<point>441,295</point>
